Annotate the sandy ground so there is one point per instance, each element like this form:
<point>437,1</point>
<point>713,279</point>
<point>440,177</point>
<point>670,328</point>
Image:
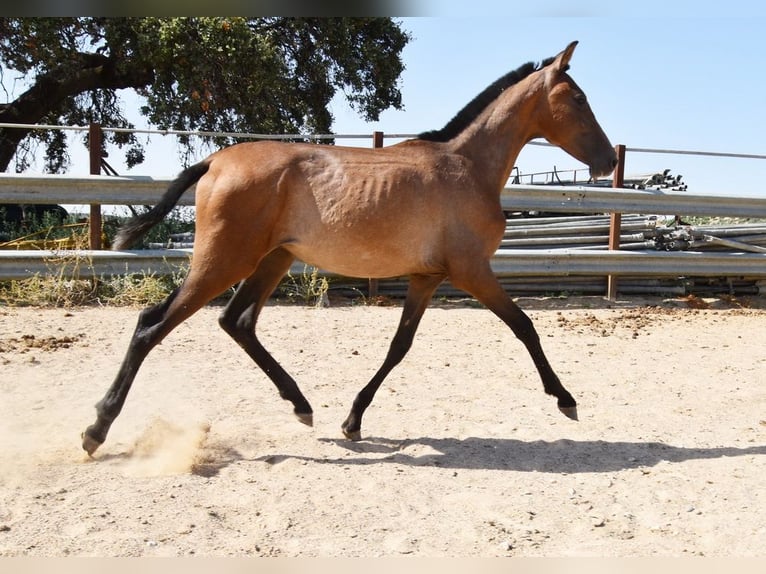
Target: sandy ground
<point>463,455</point>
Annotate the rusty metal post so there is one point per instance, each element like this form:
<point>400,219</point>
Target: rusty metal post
<point>372,284</point>
<point>615,219</point>
<point>95,138</point>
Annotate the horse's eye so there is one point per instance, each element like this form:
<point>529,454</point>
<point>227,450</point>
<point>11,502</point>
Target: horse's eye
<point>581,99</point>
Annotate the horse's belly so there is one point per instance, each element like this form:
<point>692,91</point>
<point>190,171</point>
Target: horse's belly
<point>373,261</point>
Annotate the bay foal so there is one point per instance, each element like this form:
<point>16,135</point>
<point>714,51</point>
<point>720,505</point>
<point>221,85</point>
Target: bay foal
<point>427,208</point>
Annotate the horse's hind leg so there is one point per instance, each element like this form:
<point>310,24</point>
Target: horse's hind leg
<point>240,316</point>
<point>154,324</point>
<point>483,285</point>
<point>419,292</point>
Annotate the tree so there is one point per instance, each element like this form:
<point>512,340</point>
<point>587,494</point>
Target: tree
<point>257,75</point>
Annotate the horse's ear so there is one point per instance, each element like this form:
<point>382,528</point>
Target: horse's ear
<point>561,61</point>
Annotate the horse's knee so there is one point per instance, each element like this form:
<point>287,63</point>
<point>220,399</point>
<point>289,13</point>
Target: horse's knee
<point>225,322</point>
<point>152,315</point>
<point>524,329</point>
<point>230,323</point>
<point>238,326</point>
<point>152,325</point>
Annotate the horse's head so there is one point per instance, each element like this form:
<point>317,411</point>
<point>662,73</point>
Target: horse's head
<point>567,120</point>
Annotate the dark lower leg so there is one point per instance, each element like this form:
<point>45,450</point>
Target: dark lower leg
<point>148,333</point>
<point>154,324</point>
<point>419,293</point>
<point>286,385</point>
<point>524,329</point>
<point>485,287</point>
<point>239,320</point>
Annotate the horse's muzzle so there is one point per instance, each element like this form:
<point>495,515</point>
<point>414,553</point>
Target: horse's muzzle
<point>604,169</point>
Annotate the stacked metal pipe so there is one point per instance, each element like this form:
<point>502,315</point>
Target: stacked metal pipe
<point>591,232</point>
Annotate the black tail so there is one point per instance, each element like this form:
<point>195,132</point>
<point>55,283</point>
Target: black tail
<point>138,226</point>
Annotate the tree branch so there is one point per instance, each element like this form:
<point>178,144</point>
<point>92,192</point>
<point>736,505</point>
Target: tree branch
<point>50,90</point>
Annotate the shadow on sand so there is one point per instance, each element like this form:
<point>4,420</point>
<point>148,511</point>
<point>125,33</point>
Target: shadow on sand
<point>560,456</point>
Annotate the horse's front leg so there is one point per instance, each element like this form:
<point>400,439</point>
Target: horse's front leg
<point>419,292</point>
<point>483,285</point>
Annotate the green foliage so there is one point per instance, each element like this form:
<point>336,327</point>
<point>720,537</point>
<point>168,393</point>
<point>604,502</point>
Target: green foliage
<point>51,227</point>
<point>56,288</point>
<point>258,75</point>
<point>48,226</point>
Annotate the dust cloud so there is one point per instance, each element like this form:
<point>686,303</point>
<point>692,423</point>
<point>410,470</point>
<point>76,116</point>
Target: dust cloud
<point>166,448</point>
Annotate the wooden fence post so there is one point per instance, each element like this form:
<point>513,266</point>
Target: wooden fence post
<point>95,139</point>
<point>615,219</point>
<point>372,284</point>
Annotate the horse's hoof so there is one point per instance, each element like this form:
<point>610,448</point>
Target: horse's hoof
<point>306,418</point>
<point>569,412</point>
<point>89,444</point>
<point>355,436</point>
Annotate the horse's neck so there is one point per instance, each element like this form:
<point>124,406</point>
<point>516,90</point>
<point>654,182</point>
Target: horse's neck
<point>495,138</point>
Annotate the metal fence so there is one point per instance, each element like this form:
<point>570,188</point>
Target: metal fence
<point>544,268</point>
<point>143,190</point>
<point>508,263</point>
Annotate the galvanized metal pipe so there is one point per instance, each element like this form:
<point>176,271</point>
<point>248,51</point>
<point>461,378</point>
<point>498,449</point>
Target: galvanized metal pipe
<point>90,189</point>
<point>142,190</point>
<point>572,199</point>
<point>564,221</point>
<point>506,262</point>
<point>574,240</point>
<point>652,263</point>
<point>78,264</point>
<point>544,230</point>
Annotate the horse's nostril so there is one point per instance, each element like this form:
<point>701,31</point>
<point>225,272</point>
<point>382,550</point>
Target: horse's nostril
<point>614,163</point>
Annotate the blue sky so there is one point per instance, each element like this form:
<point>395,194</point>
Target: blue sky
<point>676,82</point>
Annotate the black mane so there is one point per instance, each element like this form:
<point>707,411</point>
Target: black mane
<point>477,105</point>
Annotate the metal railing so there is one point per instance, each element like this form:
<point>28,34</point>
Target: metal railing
<point>98,190</point>
<point>142,190</point>
<point>506,262</point>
